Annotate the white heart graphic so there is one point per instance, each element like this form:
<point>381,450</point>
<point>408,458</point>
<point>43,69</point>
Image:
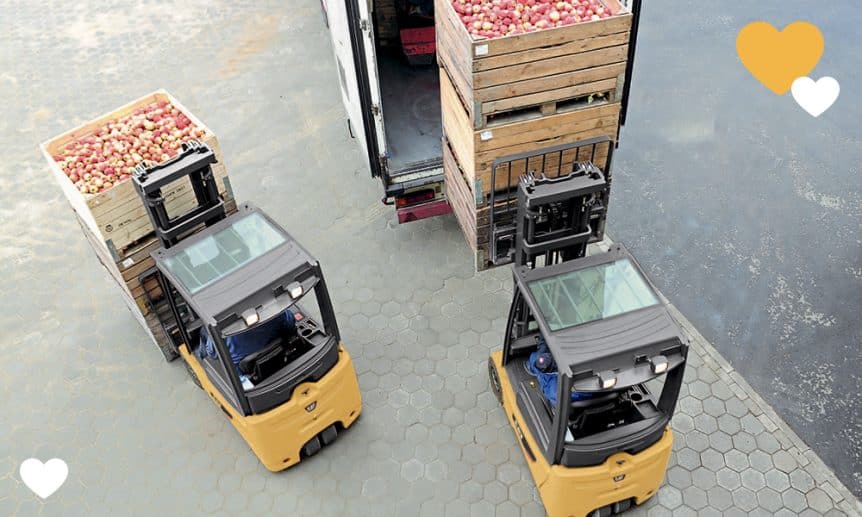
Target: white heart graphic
<point>43,478</point>
<point>815,98</point>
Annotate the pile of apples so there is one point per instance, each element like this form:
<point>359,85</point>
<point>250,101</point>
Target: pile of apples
<point>496,18</point>
<point>108,156</point>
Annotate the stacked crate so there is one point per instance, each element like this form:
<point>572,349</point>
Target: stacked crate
<point>523,93</point>
<point>116,223</point>
<point>386,22</point>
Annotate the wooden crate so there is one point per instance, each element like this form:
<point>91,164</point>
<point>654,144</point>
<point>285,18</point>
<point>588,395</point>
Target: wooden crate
<point>538,72</point>
<point>117,217</point>
<point>473,220</point>
<point>476,149</point>
<point>386,21</point>
<point>127,274</point>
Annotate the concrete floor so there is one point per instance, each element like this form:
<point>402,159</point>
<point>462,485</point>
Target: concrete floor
<point>80,381</point>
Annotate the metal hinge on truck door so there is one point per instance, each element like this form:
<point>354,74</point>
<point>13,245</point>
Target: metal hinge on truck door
<point>363,25</point>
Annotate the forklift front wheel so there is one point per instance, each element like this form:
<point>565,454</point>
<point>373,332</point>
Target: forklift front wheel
<point>494,379</point>
<point>192,374</point>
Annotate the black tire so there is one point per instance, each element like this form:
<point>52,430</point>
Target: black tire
<point>192,374</point>
<point>312,447</point>
<point>494,380</point>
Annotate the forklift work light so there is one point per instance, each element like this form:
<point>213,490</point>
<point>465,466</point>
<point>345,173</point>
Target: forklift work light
<point>295,290</point>
<point>250,316</point>
<point>659,364</point>
<point>608,380</point>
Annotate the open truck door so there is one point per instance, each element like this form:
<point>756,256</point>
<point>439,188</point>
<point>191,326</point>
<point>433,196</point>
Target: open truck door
<point>351,32</point>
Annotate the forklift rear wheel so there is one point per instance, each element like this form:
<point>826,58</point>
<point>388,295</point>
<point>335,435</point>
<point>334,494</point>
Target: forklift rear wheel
<point>192,374</point>
<point>329,435</point>
<point>494,380</point>
<point>312,447</point>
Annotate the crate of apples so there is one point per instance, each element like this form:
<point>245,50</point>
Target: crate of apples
<point>497,18</point>
<point>106,157</point>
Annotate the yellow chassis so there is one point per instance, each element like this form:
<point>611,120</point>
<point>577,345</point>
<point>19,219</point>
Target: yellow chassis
<point>576,492</point>
<point>277,436</point>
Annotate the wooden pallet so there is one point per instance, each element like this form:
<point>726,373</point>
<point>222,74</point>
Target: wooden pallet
<point>476,149</point>
<point>127,273</point>
<point>117,216</point>
<point>534,71</point>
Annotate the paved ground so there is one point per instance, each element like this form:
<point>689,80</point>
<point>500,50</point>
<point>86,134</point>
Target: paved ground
<point>748,211</point>
<point>81,383</point>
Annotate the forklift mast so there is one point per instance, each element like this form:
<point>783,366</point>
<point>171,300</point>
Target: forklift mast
<point>558,207</point>
<point>195,163</point>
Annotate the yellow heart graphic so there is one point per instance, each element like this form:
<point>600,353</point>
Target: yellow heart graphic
<point>776,58</point>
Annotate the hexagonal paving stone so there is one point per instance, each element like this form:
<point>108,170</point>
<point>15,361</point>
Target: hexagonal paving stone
<point>695,497</point>
<point>728,479</point>
<point>703,478</point>
<point>777,480</point>
<point>705,423</point>
<point>712,459</point>
<point>682,423</point>
<point>752,479</point>
<point>744,442</point>
<point>818,500</point>
<point>745,499</point>
<point>679,477</point>
<point>729,424</point>
<point>669,497</point>
<point>794,500</point>
<point>719,498</point>
<point>760,461</point>
<point>769,499</point>
<point>688,458</point>
<point>736,460</point>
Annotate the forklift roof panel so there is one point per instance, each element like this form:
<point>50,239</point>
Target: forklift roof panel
<point>597,313</point>
<point>234,262</point>
<point>592,293</point>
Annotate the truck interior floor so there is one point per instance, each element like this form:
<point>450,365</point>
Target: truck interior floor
<point>411,110</point>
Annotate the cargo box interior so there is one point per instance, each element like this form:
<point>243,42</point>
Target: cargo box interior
<point>410,93</point>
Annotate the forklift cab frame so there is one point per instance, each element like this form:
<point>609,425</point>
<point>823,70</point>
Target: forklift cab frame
<point>609,355</point>
<point>248,292</point>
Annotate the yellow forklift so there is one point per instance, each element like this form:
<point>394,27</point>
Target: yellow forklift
<point>592,361</point>
<point>248,311</point>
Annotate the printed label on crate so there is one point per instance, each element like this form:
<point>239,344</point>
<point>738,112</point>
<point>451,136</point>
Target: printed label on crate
<point>486,135</point>
<point>481,50</point>
<point>128,262</point>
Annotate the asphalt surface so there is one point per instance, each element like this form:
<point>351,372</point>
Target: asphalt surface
<point>80,381</point>
<point>748,211</point>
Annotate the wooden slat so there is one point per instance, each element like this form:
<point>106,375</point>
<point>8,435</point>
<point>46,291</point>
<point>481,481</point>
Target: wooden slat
<point>551,66</point>
<point>555,36</point>
<point>538,54</point>
<point>603,115</point>
<point>551,82</point>
<point>511,103</point>
<point>456,124</point>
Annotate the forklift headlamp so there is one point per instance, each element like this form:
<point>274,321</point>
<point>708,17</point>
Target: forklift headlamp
<point>251,317</point>
<point>608,380</point>
<point>295,290</point>
<point>658,364</point>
